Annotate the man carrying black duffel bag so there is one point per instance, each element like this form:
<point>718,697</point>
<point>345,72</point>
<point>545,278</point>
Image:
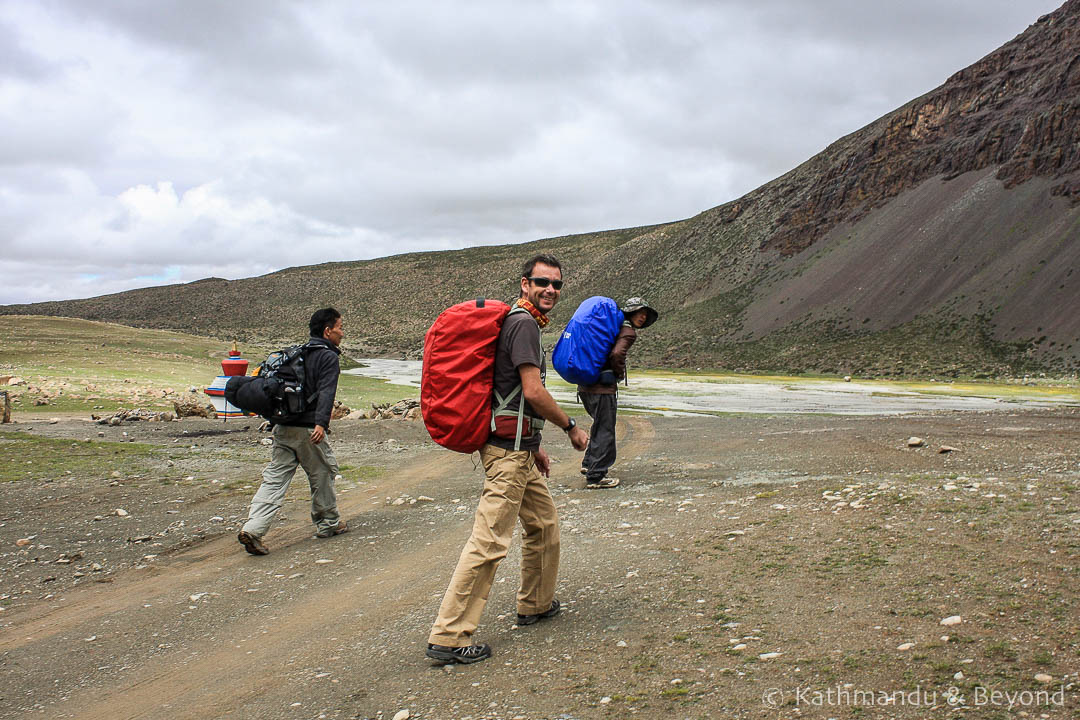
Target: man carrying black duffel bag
<point>300,440</point>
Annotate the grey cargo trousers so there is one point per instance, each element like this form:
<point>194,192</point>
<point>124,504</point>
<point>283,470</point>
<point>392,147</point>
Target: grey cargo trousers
<point>292,448</point>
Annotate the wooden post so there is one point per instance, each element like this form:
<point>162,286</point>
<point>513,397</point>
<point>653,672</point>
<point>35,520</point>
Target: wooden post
<point>7,406</point>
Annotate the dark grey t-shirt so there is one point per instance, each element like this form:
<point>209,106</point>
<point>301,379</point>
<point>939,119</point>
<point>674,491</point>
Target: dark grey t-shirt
<point>518,344</point>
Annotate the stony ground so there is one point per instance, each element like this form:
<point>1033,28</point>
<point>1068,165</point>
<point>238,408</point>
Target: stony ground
<point>749,567</point>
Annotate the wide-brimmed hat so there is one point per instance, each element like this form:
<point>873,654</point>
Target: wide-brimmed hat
<point>634,304</point>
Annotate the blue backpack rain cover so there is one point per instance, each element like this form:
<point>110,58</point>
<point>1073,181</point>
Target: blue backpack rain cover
<point>583,347</point>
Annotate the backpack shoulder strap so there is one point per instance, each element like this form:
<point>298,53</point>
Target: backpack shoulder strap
<point>501,405</point>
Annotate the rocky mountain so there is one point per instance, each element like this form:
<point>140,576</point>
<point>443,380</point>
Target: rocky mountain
<point>941,239</point>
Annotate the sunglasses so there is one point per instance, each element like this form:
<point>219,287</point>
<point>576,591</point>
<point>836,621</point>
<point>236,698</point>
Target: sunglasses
<point>544,282</point>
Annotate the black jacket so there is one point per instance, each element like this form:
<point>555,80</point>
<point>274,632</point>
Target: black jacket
<point>321,370</point>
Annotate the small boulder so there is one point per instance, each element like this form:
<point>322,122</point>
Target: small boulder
<point>192,407</point>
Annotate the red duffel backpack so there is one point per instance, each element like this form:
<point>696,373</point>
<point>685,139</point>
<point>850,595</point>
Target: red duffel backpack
<point>459,372</point>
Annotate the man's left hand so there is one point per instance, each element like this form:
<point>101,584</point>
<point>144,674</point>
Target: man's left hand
<point>318,434</point>
<point>543,462</point>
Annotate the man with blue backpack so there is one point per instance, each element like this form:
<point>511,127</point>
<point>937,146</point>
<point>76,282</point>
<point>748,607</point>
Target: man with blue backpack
<point>600,398</point>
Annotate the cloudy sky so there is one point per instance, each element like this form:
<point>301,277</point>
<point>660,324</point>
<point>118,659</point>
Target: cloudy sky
<point>151,142</point>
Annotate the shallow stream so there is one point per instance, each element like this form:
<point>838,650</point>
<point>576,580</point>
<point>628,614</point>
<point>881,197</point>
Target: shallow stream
<point>734,394</point>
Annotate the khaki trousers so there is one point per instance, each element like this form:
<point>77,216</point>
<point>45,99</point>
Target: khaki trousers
<point>513,490</point>
<point>293,448</point>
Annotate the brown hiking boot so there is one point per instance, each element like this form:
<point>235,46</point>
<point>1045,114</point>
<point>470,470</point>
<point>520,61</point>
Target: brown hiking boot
<point>252,544</point>
<point>341,527</point>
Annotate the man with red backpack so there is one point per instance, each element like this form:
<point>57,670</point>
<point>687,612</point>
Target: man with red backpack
<point>515,488</point>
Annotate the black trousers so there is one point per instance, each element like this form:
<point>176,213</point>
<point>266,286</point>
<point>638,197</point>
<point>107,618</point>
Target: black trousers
<point>600,455</point>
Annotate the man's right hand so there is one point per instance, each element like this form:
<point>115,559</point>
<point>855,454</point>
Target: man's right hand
<point>578,438</point>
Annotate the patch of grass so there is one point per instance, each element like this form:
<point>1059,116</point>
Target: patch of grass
<point>645,664</point>
<point>52,457</point>
<point>1043,659</point>
<point>1001,650</point>
<point>359,392</point>
<point>361,472</point>
<point>722,616</point>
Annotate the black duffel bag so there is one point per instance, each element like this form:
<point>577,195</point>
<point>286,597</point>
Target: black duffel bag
<point>258,395</point>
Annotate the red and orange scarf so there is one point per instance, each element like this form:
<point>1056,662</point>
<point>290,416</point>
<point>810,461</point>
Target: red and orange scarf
<point>541,319</point>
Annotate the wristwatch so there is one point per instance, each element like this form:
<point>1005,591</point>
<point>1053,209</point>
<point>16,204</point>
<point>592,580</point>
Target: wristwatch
<point>571,426</point>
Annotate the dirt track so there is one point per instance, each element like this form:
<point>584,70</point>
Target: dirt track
<point>824,539</point>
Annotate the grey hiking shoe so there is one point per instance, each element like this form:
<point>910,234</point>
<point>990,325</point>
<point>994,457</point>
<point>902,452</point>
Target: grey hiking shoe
<point>341,527</point>
<point>252,544</point>
<point>552,611</point>
<point>468,654</point>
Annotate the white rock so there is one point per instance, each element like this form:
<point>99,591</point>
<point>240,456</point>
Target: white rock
<point>768,656</point>
<point>739,647</point>
<point>323,561</point>
<point>913,442</point>
<point>338,478</point>
<point>1044,678</point>
<point>121,512</point>
<point>621,643</point>
<point>402,715</point>
<point>905,646</point>
<point>605,700</point>
<point>952,620</point>
<point>735,533</point>
<point>425,498</point>
<point>676,681</point>
<point>958,676</point>
<point>115,473</point>
<point>217,519</point>
<point>847,378</point>
<point>267,441</point>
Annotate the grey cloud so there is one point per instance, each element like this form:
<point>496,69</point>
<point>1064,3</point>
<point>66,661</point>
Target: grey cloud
<point>17,61</point>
